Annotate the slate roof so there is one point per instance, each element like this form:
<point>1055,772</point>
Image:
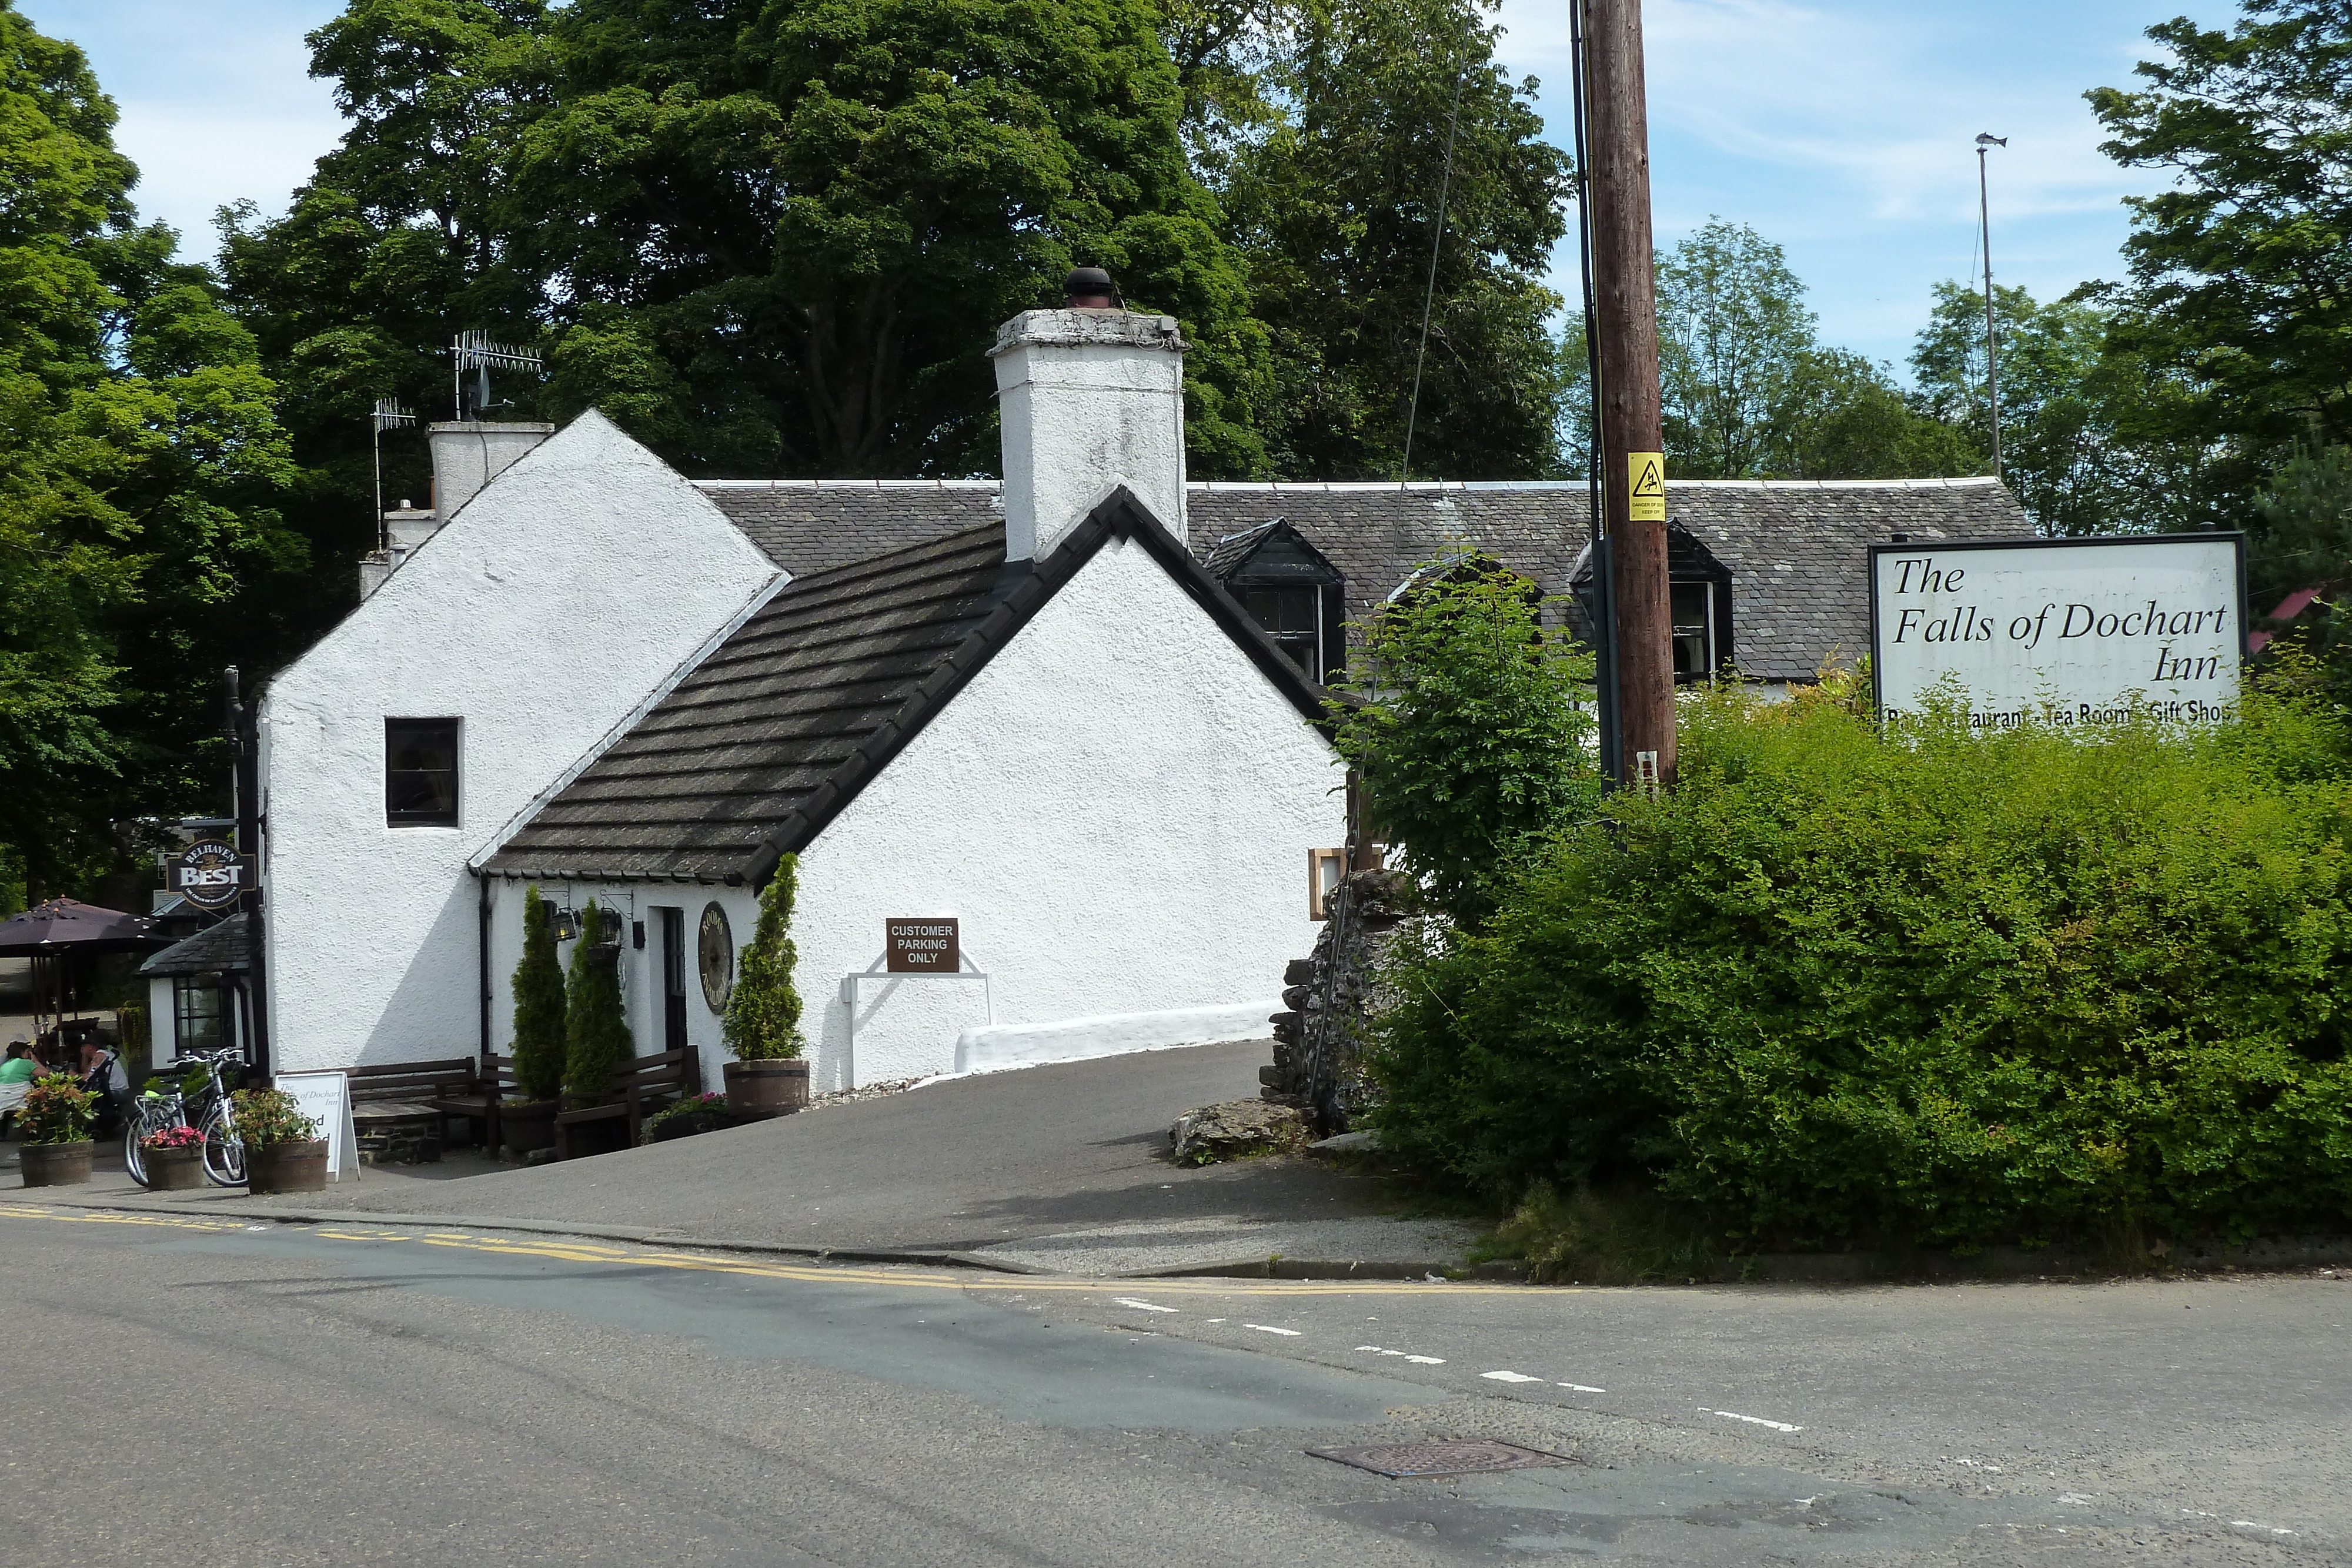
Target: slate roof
<point>1794,547</point>
<point>219,949</point>
<point>760,745</point>
<point>814,524</point>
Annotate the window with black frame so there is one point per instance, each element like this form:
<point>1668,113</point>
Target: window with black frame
<point>197,1010</point>
<point>1692,604</point>
<point>420,772</point>
<point>1293,617</point>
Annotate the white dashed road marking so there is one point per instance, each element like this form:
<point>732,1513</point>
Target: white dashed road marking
<point>1510,1377</point>
<point>1417,1359</point>
<point>1143,1306</point>
<point>1263,1328</point>
<point>1584,1388</point>
<point>1756,1420</point>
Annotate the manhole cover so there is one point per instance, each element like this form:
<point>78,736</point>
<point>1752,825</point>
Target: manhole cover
<point>1467,1457</point>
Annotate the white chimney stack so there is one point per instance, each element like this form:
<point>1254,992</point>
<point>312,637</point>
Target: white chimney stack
<point>468,454</point>
<point>1090,397</point>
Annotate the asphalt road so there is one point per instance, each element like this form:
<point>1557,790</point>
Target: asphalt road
<point>1060,1166</point>
<point>187,1388</point>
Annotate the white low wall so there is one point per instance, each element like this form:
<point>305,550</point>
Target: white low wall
<point>992,1047</point>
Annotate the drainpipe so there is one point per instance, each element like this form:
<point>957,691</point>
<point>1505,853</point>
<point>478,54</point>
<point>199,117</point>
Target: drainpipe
<point>482,945</point>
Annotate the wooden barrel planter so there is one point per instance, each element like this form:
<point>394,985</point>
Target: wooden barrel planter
<point>286,1168</point>
<point>767,1088</point>
<point>56,1164</point>
<point>174,1170</point>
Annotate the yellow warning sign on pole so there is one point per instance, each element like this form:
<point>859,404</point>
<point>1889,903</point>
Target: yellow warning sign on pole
<point>1648,473</point>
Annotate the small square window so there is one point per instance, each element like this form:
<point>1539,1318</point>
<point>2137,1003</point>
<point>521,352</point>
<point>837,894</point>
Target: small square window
<point>420,772</point>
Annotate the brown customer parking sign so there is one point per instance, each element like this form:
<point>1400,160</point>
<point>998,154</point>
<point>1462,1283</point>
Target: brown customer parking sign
<point>923,946</point>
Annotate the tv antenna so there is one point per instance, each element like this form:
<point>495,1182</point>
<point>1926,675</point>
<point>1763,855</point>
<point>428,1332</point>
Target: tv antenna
<point>472,355</point>
<point>388,415</point>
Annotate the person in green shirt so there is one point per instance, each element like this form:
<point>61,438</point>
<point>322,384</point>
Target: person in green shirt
<point>16,1076</point>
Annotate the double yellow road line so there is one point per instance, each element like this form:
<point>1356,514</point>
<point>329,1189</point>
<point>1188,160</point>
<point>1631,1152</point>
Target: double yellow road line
<point>904,1277</point>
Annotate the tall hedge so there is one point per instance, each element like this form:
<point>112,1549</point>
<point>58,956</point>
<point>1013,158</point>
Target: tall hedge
<point>1952,990</point>
<point>763,1014</point>
<point>538,1005</point>
<point>596,1033</point>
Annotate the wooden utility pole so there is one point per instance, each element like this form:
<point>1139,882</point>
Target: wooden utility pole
<point>1625,327</point>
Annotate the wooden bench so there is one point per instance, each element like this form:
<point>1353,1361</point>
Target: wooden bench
<point>645,1083</point>
<point>477,1100</point>
<point>452,1087</point>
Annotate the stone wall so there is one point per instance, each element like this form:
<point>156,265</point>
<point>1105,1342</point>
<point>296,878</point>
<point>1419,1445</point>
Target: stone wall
<point>1329,1000</point>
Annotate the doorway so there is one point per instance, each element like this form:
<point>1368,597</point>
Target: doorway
<point>673,990</point>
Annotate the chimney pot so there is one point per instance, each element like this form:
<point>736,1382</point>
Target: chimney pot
<point>1090,288</point>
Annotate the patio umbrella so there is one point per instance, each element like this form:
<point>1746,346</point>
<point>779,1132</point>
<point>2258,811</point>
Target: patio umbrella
<point>62,929</point>
<point>66,925</point>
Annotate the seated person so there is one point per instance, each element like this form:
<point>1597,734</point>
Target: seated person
<point>101,1071</point>
<point>17,1075</point>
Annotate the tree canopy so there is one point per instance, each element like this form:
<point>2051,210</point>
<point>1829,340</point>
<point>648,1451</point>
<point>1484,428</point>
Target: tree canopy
<point>140,469</point>
<point>1750,393</point>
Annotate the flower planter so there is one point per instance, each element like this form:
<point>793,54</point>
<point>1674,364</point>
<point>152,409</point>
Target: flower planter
<point>767,1088</point>
<point>285,1168</point>
<point>57,1164</point>
<point>174,1170</point>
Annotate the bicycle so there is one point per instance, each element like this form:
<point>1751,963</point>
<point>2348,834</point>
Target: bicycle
<point>158,1111</point>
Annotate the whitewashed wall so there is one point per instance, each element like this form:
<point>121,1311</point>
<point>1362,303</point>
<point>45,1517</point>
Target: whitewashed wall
<point>541,615</point>
<point>1118,809</point>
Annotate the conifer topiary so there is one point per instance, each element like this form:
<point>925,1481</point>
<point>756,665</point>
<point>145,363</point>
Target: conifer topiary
<point>538,1032</point>
<point>597,1034</point>
<point>763,1016</point>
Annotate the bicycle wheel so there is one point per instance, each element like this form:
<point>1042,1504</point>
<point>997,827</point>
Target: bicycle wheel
<point>134,1158</point>
<point>223,1149</point>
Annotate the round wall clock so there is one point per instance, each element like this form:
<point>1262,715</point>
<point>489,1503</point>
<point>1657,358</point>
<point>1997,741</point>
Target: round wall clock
<point>716,950</point>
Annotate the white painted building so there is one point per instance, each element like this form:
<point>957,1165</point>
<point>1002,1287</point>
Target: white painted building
<point>530,625</point>
<point>1075,711</point>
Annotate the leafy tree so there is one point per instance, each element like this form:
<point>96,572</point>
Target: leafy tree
<point>140,468</point>
<point>2074,427</point>
<point>764,1011</point>
<point>538,1005</point>
<point>1750,394</point>
<point>1466,723</point>
<point>1841,418</point>
<point>597,1034</point>
<point>1331,177</point>
<point>1732,329</point>
<point>768,239</point>
<point>2233,334</point>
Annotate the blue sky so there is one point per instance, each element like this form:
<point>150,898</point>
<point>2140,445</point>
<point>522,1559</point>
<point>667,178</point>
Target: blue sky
<point>1841,128</point>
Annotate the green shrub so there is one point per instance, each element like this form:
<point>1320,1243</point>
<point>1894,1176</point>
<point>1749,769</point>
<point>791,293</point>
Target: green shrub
<point>596,1033</point>
<point>538,1003</point>
<point>1461,720</point>
<point>56,1110</point>
<point>763,1015</point>
<point>1947,992</point>
<point>266,1118</point>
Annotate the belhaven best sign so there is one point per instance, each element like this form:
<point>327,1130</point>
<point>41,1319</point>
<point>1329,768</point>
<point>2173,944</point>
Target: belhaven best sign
<point>2060,630</point>
<point>209,873</point>
<point>923,946</point>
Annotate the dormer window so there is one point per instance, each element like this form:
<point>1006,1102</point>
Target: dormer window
<point>1293,617</point>
<point>1295,594</point>
<point>1693,606</point>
